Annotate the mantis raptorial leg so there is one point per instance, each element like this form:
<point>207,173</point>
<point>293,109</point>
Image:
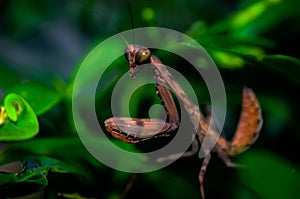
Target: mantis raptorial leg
<point>144,129</point>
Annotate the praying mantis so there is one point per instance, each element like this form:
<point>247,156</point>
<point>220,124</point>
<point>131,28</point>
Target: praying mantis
<point>134,130</point>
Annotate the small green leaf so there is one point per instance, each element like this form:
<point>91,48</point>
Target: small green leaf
<point>227,60</point>
<point>40,96</point>
<point>73,196</point>
<point>21,123</point>
<point>233,52</point>
<point>247,15</point>
<point>38,166</point>
<point>237,22</point>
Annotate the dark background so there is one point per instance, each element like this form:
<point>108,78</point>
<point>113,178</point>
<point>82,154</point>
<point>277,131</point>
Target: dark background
<point>46,40</point>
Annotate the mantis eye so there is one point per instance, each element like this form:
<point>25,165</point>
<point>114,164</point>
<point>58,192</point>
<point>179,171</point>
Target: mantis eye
<point>142,55</point>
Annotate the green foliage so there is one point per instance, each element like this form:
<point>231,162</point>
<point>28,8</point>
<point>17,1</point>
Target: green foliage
<point>35,170</point>
<point>40,96</point>
<point>253,43</point>
<point>21,122</point>
<point>270,176</point>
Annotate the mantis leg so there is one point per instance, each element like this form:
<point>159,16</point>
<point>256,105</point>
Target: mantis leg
<point>202,173</point>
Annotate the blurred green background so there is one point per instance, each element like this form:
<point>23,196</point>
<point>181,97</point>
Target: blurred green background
<point>253,43</point>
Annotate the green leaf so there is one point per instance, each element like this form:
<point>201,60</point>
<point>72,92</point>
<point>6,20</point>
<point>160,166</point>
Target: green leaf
<point>273,13</point>
<point>35,170</point>
<point>73,196</point>
<point>6,178</point>
<point>243,22</point>
<point>269,175</point>
<point>227,60</point>
<point>230,41</point>
<point>21,123</point>
<point>234,53</point>
<point>37,167</point>
<point>40,96</point>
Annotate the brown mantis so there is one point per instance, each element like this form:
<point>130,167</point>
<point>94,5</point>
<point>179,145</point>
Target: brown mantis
<point>142,129</point>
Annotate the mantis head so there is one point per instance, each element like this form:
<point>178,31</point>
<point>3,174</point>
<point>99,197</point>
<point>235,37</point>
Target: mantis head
<point>136,55</point>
